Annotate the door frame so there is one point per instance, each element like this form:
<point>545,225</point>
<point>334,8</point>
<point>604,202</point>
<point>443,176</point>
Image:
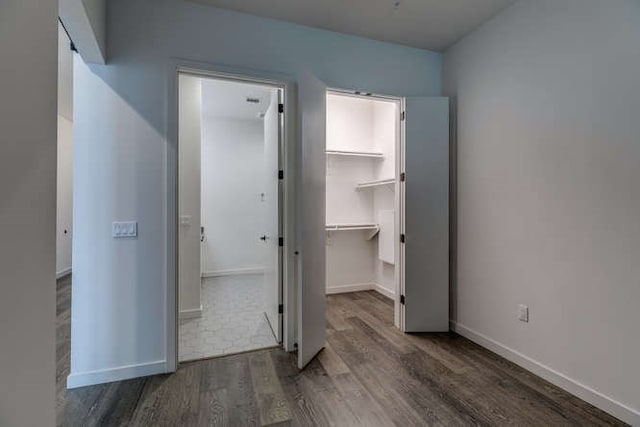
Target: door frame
<point>287,155</point>
<point>399,253</point>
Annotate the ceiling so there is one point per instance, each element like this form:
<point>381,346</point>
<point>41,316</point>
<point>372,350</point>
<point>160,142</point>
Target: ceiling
<point>426,24</point>
<point>224,99</point>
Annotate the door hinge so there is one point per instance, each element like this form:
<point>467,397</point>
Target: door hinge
<point>280,174</point>
<point>280,108</point>
<point>403,115</point>
<point>402,238</point>
<point>280,308</point>
<point>402,177</point>
<point>281,241</point>
<point>402,299</point>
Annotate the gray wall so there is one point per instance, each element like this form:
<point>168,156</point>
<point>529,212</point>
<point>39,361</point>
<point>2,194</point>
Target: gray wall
<point>120,125</point>
<point>28,86</point>
<point>548,206</point>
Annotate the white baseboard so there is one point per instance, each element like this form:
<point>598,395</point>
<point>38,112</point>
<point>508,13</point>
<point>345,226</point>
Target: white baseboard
<point>191,313</point>
<point>82,379</point>
<point>384,291</point>
<point>343,289</point>
<point>62,273</point>
<point>358,287</point>
<point>607,404</point>
<point>233,272</point>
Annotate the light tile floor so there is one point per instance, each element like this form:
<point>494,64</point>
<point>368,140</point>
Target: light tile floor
<point>232,321</point>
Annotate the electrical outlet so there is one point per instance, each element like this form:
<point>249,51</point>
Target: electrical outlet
<point>523,313</point>
<point>120,229</point>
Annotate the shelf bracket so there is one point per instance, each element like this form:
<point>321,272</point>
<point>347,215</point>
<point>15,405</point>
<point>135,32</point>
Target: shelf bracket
<point>373,233</point>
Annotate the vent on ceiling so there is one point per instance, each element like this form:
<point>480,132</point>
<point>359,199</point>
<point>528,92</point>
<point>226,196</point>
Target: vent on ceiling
<point>253,100</point>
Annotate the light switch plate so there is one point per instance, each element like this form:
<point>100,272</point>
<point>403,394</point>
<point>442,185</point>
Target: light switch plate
<point>122,229</point>
<point>523,313</point>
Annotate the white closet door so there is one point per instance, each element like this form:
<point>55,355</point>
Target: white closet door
<point>272,271</point>
<point>426,212</point>
<point>311,219</point>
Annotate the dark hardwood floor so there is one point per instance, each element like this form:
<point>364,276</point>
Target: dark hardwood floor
<point>370,374</point>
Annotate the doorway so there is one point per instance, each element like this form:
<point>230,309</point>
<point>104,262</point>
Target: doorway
<point>363,155</point>
<point>230,228</point>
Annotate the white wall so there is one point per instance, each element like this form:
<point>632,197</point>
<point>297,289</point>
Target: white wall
<point>118,296</point>
<point>121,121</point>
<point>189,155</point>
<point>28,70</point>
<point>385,132</point>
<point>232,181</point>
<point>349,256</point>
<point>350,123</point>
<point>548,211</point>
<point>64,181</point>
<point>349,128</point>
<point>64,199</point>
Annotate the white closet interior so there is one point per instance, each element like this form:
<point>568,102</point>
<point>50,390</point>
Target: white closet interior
<point>361,200</point>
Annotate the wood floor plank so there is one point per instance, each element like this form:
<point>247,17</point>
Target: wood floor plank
<point>374,367</point>
<point>448,358</point>
<point>369,374</point>
<point>171,399</point>
<point>78,403</point>
<point>434,403</point>
<point>231,375</point>
<point>319,389</point>
<point>272,404</point>
<point>303,409</point>
<point>117,404</point>
<point>387,330</point>
<point>214,406</point>
<point>365,408</point>
<point>331,361</point>
<point>540,394</point>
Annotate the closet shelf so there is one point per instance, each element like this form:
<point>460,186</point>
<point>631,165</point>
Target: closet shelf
<point>348,227</point>
<point>372,184</point>
<point>355,153</point>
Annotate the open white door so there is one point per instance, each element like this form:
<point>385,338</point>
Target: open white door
<point>311,219</point>
<point>426,215</point>
<point>271,197</point>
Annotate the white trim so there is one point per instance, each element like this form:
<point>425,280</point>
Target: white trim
<point>62,273</point>
<point>190,313</point>
<point>384,291</point>
<point>233,272</point>
<point>82,379</point>
<point>359,287</point>
<point>607,404</point>
<point>285,82</point>
<point>355,287</point>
